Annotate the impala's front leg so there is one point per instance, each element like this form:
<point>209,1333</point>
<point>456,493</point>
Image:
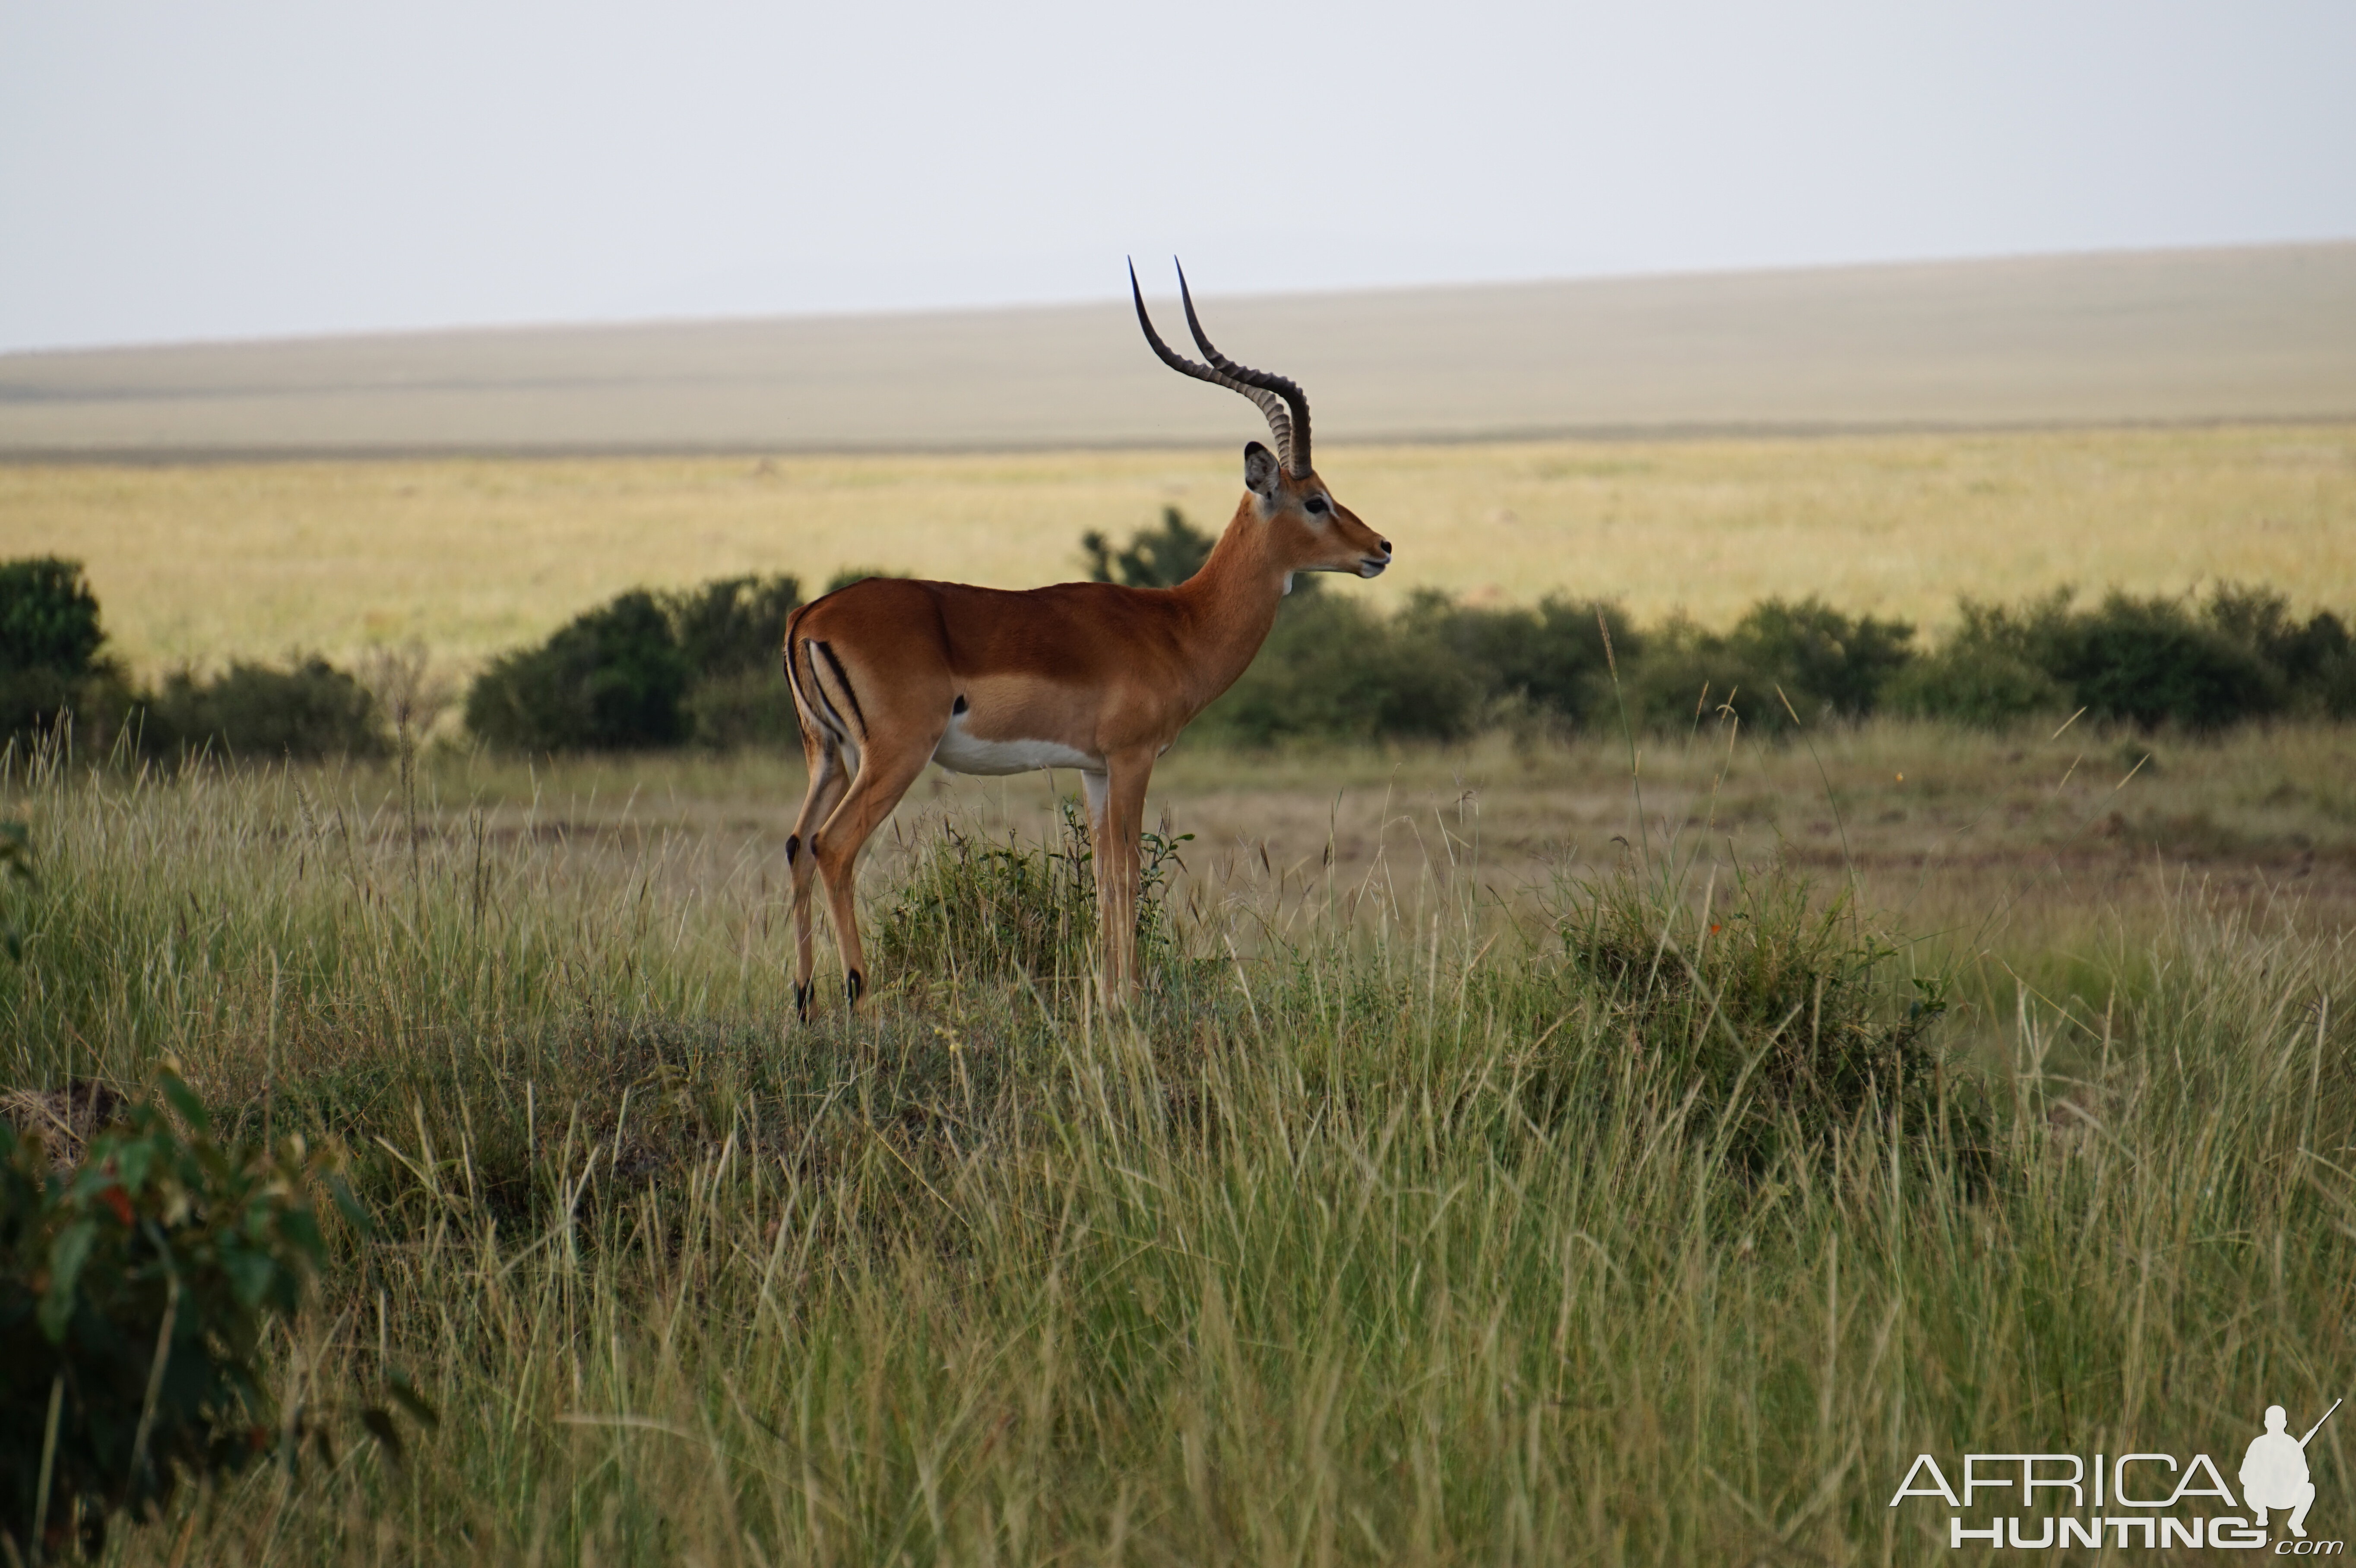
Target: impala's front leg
<point>1117,813</point>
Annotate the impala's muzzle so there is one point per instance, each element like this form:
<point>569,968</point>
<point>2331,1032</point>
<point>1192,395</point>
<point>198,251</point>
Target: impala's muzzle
<point>1372,566</point>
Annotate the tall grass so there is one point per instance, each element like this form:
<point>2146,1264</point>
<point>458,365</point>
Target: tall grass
<point>1396,1232</point>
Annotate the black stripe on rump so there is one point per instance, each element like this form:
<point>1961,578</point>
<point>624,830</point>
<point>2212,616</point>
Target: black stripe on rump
<point>822,712</point>
<point>844,679</point>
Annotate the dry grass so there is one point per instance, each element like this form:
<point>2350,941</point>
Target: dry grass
<point>205,562</point>
<point>2034,856</point>
<point>1375,1244</point>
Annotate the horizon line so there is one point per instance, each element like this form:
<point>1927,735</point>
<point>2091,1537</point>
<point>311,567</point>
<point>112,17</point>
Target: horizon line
<point>1013,307</point>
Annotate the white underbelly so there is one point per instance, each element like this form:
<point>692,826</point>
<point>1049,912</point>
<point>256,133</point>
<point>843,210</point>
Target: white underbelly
<point>963,754</point>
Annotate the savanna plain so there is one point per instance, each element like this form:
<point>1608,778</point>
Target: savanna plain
<point>1629,1146</point>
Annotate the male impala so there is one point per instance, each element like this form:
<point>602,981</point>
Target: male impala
<point>889,673</point>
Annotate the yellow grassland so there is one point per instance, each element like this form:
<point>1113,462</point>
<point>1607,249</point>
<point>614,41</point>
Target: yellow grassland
<point>205,562</point>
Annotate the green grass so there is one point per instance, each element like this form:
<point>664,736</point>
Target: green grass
<point>1392,1230</point>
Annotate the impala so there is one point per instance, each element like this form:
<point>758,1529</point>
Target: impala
<point>889,673</point>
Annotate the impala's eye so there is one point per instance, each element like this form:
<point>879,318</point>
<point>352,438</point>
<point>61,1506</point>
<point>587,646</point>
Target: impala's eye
<point>1316,506</point>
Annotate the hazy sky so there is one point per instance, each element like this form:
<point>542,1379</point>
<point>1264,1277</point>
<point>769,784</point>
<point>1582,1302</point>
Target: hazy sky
<point>177,170</point>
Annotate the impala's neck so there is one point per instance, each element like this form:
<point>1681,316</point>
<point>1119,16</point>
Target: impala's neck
<point>1232,602</point>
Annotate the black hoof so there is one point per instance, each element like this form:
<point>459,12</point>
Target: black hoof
<point>802,995</point>
<point>853,985</point>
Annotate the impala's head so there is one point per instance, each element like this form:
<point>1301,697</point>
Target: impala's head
<point>1308,529</point>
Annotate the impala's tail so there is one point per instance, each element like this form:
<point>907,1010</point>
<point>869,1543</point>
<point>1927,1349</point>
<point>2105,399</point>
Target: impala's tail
<point>794,675</point>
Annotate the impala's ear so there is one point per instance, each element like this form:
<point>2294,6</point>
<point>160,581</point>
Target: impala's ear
<point>1259,471</point>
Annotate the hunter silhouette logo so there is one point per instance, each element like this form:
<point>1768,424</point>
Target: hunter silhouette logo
<point>2274,1473</point>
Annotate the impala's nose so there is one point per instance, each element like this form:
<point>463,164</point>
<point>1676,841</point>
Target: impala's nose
<point>1372,566</point>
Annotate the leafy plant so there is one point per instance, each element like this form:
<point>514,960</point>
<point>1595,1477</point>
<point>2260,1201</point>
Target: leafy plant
<point>1819,661</point>
<point>1334,669</point>
<point>2303,653</point>
<point>262,713</point>
<point>734,623</point>
<point>731,633</point>
<point>977,908</point>
<point>1771,1017</point>
<point>2154,660</point>
<point>611,680</point>
<point>1548,660</point>
<point>1991,672</point>
<point>1155,558</point>
<point>2241,655</point>
<point>50,639</point>
<point>49,645</point>
<point>48,616</point>
<point>647,670</point>
<point>743,707</point>
<point>135,1291</point>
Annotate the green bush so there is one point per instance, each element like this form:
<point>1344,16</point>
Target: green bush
<point>32,700</point>
<point>49,642</point>
<point>2152,661</point>
<point>1775,1018</point>
<point>1155,557</point>
<point>734,623</point>
<point>650,670</point>
<point>743,708</point>
<point>731,633</point>
<point>1334,669</point>
<point>1824,664</point>
<point>611,680</point>
<point>48,616</point>
<point>2333,692</point>
<point>2148,661</point>
<point>2313,662</point>
<point>2259,619</point>
<point>1990,673</point>
<point>647,670</point>
<point>1550,660</point>
<point>977,908</point>
<point>256,711</point>
<point>50,638</point>
<point>134,1293</point>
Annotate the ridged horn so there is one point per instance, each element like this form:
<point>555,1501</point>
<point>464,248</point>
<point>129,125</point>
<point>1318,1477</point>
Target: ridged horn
<point>1281,401</point>
<point>1295,399</point>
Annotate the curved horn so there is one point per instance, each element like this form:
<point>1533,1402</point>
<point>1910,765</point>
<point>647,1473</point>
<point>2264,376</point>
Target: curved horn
<point>1270,401</point>
<point>1282,385</point>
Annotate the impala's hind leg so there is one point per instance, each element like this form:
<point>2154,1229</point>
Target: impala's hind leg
<point>829,780</point>
<point>884,778</point>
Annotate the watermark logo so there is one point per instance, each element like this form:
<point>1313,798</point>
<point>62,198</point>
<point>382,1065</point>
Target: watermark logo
<point>2274,1473</point>
<point>2136,1499</point>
